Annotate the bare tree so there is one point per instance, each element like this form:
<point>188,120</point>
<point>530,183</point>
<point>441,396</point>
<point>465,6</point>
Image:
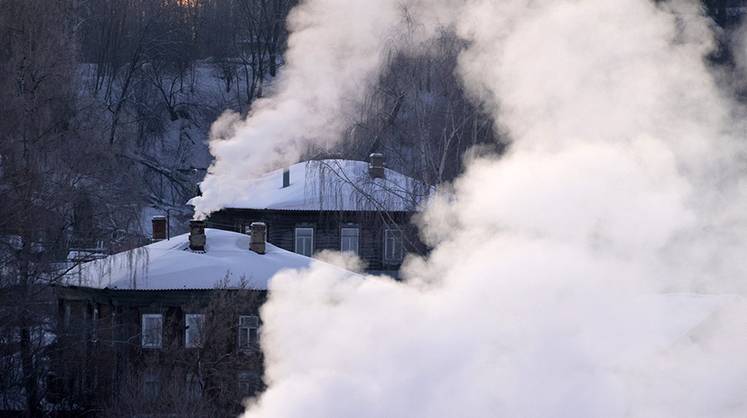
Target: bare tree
<point>419,116</point>
<point>260,40</point>
<point>59,183</point>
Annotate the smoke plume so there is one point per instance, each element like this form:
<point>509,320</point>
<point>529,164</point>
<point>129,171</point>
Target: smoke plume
<point>596,269</point>
<point>335,52</point>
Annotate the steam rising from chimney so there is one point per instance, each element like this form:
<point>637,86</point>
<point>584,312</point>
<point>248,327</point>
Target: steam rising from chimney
<point>335,52</point>
<point>597,269</point>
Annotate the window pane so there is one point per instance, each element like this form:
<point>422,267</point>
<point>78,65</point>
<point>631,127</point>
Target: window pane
<point>393,245</point>
<point>249,383</point>
<point>194,386</point>
<point>193,332</point>
<point>94,330</point>
<point>248,331</point>
<point>151,385</point>
<point>249,321</point>
<point>305,241</point>
<point>349,239</point>
<point>152,328</point>
<point>67,316</point>
<point>243,337</point>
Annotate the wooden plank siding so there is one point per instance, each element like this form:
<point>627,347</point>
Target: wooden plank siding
<point>281,225</point>
<point>96,360</point>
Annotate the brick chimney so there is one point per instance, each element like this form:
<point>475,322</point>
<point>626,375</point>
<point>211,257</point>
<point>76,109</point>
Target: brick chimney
<point>258,237</point>
<point>159,228</point>
<point>376,166</point>
<point>197,237</point>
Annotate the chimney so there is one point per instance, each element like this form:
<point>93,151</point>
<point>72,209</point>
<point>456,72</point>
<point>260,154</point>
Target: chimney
<point>376,165</point>
<point>197,237</point>
<point>286,177</point>
<point>159,228</point>
<point>258,237</point>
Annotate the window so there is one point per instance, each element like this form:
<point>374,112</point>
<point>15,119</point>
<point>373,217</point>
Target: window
<point>392,245</point>
<point>66,320</point>
<point>95,324</point>
<point>305,241</point>
<point>151,385</point>
<point>194,386</point>
<point>152,328</point>
<point>349,239</point>
<point>249,383</point>
<point>193,332</point>
<point>248,331</point>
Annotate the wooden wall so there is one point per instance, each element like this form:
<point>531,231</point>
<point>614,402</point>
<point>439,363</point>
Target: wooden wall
<point>99,362</point>
<point>327,225</point>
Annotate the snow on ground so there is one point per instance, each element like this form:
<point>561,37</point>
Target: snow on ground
<point>333,185</point>
<point>169,264</point>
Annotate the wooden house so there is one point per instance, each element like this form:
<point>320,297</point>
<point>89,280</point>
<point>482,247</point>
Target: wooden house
<point>343,205</point>
<point>170,328</point>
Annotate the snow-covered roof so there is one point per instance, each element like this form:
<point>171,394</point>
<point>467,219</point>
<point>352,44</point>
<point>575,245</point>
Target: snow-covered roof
<point>82,254</point>
<point>169,264</point>
<point>337,185</point>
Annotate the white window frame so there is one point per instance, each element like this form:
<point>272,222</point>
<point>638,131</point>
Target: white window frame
<point>193,335</point>
<point>357,236</point>
<point>247,323</point>
<point>395,258</point>
<point>296,237</point>
<point>147,344</point>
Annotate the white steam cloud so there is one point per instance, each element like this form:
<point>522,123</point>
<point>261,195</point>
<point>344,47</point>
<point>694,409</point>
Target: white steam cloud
<point>335,53</point>
<point>596,270</point>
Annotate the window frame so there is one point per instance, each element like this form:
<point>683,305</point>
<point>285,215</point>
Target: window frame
<point>398,258</point>
<point>143,342</point>
<point>249,382</point>
<point>151,386</point>
<point>249,343</point>
<point>296,236</point>
<point>357,230</point>
<point>190,343</point>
